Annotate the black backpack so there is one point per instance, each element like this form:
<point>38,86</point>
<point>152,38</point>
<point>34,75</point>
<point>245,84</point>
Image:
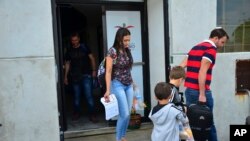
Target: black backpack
<point>177,97</point>
<point>247,120</point>
<point>101,73</point>
<point>200,119</point>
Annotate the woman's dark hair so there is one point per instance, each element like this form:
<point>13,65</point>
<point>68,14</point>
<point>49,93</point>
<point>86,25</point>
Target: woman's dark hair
<point>218,32</point>
<point>118,43</point>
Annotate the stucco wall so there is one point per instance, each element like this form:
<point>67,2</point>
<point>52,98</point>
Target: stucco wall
<point>190,22</point>
<point>229,108</point>
<point>156,44</point>
<point>28,97</point>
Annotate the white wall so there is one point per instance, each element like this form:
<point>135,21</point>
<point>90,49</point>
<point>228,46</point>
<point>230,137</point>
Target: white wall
<point>28,97</point>
<point>156,44</point>
<point>229,108</point>
<point>190,22</point>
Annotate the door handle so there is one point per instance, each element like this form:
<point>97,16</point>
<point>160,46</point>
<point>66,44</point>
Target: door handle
<point>138,63</point>
<point>0,124</point>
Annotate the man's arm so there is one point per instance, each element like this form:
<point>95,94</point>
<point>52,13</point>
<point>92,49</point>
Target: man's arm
<point>205,64</point>
<point>184,62</point>
<point>93,64</point>
<point>67,65</point>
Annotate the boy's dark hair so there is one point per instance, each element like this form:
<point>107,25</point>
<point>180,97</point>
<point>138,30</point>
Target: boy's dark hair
<point>177,72</point>
<point>218,32</point>
<point>162,90</point>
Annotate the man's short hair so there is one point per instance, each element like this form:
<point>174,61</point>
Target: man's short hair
<point>162,90</point>
<point>74,34</point>
<point>177,72</point>
<point>218,32</point>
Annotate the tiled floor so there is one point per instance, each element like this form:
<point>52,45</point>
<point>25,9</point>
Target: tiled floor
<point>108,134</point>
<point>84,123</point>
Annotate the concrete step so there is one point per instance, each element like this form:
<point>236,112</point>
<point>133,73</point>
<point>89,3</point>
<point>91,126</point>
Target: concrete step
<point>108,134</point>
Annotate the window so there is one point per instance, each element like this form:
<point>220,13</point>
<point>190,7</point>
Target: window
<point>242,75</point>
<point>234,17</point>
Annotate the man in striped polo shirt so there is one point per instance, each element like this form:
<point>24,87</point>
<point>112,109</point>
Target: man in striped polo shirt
<point>199,63</point>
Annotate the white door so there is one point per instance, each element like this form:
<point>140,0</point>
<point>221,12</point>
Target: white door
<point>131,19</point>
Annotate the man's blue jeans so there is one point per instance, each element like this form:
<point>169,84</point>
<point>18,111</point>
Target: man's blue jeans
<point>86,85</point>
<point>192,97</point>
<point>124,95</point>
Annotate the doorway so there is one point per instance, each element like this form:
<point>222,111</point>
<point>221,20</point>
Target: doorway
<point>86,20</point>
<point>90,21</point>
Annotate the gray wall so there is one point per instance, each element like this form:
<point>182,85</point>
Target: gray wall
<point>229,108</point>
<point>28,96</point>
<point>156,44</point>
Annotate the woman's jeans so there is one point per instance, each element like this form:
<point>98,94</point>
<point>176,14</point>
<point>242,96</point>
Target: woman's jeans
<point>124,95</point>
<point>192,97</point>
<point>86,85</point>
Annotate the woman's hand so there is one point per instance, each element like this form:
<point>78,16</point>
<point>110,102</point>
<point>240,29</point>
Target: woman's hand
<point>106,96</point>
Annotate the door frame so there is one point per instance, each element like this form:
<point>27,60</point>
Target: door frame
<point>166,39</point>
<point>139,6</point>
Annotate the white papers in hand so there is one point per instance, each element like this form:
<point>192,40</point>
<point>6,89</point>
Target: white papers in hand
<point>111,107</point>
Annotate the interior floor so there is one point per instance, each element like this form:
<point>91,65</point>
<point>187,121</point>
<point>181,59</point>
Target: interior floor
<point>85,124</point>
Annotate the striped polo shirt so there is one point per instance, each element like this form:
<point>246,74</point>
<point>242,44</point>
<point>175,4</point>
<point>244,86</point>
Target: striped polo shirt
<point>207,50</point>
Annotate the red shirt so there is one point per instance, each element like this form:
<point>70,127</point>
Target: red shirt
<point>207,50</point>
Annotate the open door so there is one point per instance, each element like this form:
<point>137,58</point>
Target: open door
<point>112,19</point>
<point>79,18</point>
<point>96,22</point>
